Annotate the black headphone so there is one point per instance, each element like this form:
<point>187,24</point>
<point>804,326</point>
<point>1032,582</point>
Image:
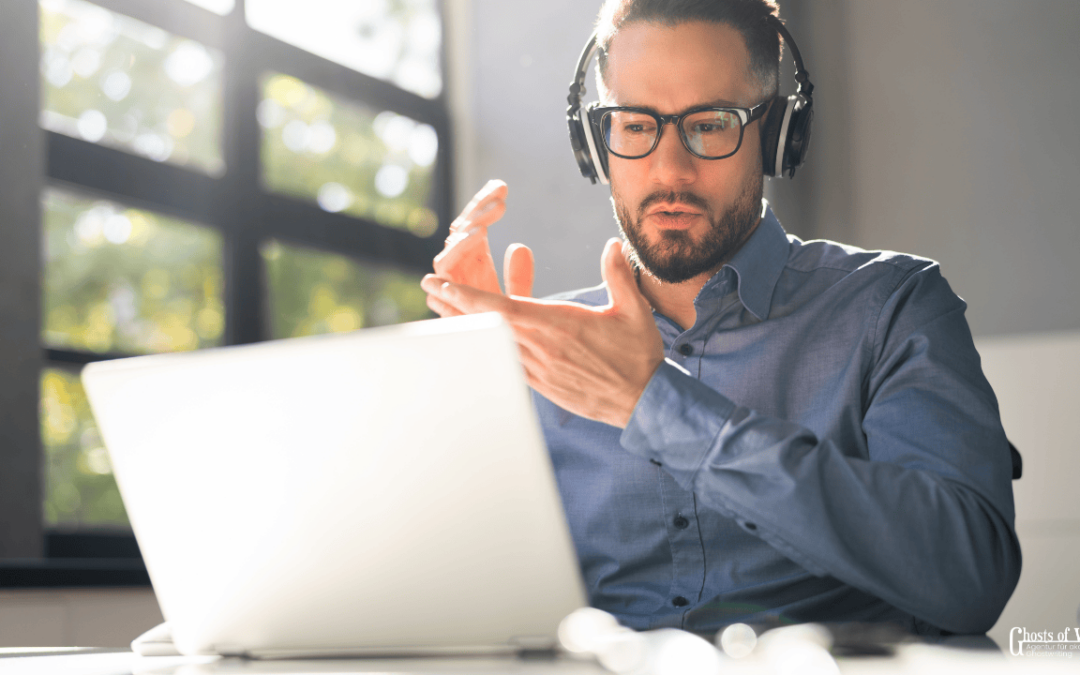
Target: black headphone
<point>785,129</point>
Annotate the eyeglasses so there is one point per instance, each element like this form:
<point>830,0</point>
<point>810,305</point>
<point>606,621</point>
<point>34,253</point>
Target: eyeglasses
<point>708,133</point>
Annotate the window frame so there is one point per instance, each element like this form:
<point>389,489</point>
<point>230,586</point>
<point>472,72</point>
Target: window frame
<point>234,203</point>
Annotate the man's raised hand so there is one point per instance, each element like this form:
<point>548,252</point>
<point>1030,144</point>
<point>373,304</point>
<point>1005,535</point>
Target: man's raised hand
<point>466,258</point>
<point>592,361</point>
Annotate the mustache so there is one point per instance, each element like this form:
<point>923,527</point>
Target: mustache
<point>673,197</point>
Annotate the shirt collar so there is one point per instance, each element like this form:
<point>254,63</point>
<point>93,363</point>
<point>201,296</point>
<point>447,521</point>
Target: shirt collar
<point>757,265</point>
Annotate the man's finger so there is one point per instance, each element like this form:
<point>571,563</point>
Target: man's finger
<point>441,308</point>
<point>519,312</point>
<point>465,298</point>
<point>459,246</point>
<point>623,291</point>
<point>518,268</point>
<point>486,207</point>
<point>468,231</point>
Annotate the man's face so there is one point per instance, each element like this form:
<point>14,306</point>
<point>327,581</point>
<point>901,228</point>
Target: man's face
<point>683,216</point>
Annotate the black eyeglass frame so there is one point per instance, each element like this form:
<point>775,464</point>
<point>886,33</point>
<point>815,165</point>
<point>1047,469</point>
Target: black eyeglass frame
<point>746,116</point>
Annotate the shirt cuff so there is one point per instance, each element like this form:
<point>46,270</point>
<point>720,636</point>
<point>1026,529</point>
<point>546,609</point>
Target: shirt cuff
<point>676,422</point>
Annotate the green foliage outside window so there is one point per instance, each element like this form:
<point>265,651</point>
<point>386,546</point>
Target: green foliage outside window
<point>313,292</point>
<point>120,279</point>
<point>347,157</point>
<point>394,40</point>
<point>109,79</point>
<point>79,485</point>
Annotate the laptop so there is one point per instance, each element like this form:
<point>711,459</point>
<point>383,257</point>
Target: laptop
<point>386,491</point>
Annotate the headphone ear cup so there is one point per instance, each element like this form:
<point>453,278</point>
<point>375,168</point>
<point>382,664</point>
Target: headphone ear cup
<point>770,134</point>
<point>581,147</point>
<point>597,149</point>
<point>798,136</point>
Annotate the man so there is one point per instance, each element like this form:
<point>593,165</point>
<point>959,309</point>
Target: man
<point>744,426</point>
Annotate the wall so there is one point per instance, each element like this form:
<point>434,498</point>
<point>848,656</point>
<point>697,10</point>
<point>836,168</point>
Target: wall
<point>513,72</point>
<point>1035,377</point>
<point>946,130</point>
<point>80,617</point>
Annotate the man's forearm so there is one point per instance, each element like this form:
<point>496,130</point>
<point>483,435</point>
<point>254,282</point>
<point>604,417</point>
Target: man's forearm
<point>929,545</point>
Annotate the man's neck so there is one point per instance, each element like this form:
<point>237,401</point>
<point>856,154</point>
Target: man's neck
<point>676,301</point>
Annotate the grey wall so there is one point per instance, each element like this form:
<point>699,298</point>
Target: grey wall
<point>947,129</point>
<point>520,57</point>
<point>943,129</point>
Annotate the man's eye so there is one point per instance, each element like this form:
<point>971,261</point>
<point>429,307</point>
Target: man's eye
<point>712,126</point>
<point>638,128</point>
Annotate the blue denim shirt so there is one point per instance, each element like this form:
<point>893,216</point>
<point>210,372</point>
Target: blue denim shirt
<point>821,445</point>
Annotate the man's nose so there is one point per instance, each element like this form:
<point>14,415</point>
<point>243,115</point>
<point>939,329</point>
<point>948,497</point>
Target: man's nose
<point>672,163</point>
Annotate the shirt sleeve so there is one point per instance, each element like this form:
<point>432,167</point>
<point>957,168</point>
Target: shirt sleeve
<point>925,522</point>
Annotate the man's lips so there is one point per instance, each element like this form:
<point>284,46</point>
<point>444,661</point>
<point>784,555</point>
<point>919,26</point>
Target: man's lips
<point>672,210</point>
<point>672,216</point>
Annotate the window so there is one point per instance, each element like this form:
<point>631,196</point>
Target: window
<point>197,173</point>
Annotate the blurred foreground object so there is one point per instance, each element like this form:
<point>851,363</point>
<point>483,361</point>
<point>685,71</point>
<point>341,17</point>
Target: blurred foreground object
<point>667,651</point>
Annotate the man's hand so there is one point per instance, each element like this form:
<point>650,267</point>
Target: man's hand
<point>466,259</point>
<point>592,361</point>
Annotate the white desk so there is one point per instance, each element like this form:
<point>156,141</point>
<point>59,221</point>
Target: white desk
<point>911,659</point>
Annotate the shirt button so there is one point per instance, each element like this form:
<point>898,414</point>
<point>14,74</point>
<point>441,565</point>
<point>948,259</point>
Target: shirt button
<point>681,523</point>
<point>686,349</point>
<point>750,526</point>
<point>680,601</point>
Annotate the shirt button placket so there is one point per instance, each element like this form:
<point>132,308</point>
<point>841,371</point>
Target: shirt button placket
<point>687,555</point>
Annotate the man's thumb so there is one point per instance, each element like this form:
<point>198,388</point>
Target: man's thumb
<point>518,270</point>
<point>621,283</point>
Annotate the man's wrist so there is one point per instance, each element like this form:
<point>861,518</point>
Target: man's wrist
<point>676,420</point>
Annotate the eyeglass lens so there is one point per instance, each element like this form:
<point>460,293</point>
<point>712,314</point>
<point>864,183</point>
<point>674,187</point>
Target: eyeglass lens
<point>709,133</point>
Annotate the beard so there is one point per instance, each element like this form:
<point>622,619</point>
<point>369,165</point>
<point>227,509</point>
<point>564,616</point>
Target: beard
<point>676,256</point>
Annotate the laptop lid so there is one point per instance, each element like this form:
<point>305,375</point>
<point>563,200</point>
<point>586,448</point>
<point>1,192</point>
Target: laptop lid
<point>386,490</point>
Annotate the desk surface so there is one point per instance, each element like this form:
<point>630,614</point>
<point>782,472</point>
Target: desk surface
<point>912,659</point>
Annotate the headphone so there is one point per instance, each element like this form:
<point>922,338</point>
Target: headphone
<point>785,129</point>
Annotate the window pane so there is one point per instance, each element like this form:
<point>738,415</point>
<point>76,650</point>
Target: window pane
<point>109,79</point>
<point>119,279</point>
<point>346,156</point>
<point>394,40</point>
<point>79,484</point>
<point>312,292</point>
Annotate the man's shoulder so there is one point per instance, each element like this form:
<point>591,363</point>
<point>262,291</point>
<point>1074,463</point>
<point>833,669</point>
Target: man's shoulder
<point>822,255</point>
<point>595,296</point>
<point>882,282</point>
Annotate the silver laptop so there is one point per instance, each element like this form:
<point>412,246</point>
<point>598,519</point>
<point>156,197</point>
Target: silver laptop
<point>384,491</point>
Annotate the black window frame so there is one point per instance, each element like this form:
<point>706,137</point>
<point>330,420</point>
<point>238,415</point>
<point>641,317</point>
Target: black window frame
<point>235,204</point>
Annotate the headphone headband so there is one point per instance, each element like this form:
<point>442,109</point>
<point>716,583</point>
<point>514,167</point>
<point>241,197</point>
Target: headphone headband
<point>577,87</point>
<point>806,87</point>
<point>785,133</point>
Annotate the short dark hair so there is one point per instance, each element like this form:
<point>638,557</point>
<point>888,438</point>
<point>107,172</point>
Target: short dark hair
<point>748,17</point>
